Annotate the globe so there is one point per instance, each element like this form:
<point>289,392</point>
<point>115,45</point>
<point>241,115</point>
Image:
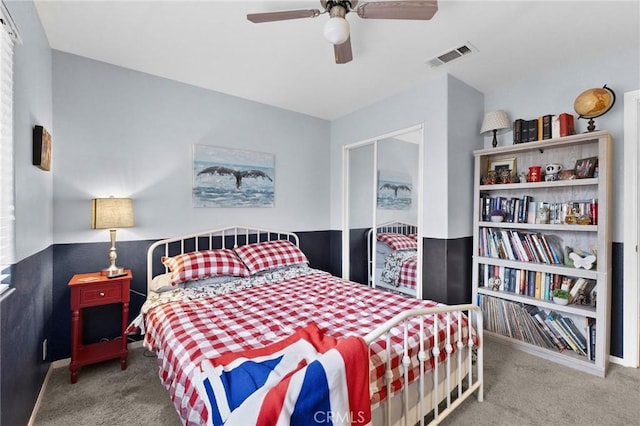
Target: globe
<point>593,103</point>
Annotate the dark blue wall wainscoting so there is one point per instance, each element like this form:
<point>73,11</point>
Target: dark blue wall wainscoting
<point>617,291</point>
<point>446,270</point>
<point>25,321</point>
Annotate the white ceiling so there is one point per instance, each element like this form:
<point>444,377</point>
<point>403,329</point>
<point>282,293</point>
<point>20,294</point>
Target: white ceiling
<point>288,64</point>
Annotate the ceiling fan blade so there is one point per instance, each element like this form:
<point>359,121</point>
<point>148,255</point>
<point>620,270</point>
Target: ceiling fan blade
<point>258,18</point>
<point>343,52</point>
<point>418,10</point>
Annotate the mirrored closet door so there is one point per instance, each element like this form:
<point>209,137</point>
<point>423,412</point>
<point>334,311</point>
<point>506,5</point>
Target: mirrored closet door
<point>382,238</point>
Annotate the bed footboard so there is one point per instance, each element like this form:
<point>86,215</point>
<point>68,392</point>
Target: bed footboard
<point>434,393</point>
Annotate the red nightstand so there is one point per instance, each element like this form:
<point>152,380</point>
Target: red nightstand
<point>95,290</point>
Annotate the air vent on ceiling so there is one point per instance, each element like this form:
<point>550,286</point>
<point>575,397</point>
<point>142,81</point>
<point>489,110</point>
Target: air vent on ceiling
<point>452,55</point>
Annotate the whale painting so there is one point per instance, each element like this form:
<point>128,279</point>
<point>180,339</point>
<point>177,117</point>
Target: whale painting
<point>225,177</point>
<point>394,190</point>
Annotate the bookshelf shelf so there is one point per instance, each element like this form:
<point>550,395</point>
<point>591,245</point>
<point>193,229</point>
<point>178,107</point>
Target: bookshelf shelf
<point>515,294</point>
<point>587,311</point>
<point>542,267</point>
<point>566,358</point>
<point>544,227</point>
<point>540,185</point>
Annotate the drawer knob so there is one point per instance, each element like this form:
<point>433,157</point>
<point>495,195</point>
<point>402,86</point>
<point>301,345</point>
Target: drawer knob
<point>101,294</point>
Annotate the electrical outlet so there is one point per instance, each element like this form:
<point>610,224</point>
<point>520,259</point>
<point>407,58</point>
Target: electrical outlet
<point>44,350</point>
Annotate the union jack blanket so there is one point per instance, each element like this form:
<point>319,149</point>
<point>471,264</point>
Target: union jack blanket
<point>308,378</point>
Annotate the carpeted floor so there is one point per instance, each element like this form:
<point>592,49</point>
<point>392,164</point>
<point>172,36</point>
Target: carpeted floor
<point>520,389</point>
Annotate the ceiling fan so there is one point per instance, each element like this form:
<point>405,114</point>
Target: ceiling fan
<point>336,30</point>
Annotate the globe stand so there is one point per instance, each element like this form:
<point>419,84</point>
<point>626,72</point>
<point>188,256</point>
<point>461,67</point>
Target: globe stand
<point>592,126</point>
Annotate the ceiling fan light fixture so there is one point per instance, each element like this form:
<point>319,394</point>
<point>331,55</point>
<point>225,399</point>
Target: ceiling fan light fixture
<point>336,30</point>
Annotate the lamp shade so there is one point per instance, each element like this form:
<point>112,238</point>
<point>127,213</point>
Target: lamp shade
<point>336,30</point>
<point>111,213</point>
<point>495,120</point>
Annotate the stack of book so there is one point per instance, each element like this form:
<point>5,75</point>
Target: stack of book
<point>535,326</point>
<point>523,246</point>
<point>516,210</point>
<point>544,127</point>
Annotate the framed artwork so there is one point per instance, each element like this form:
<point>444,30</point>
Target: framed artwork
<point>585,167</point>
<point>501,164</point>
<point>394,190</point>
<point>41,148</point>
<point>225,177</point>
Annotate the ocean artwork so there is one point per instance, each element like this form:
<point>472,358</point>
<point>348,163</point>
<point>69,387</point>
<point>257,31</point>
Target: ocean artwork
<point>225,177</point>
<point>394,190</point>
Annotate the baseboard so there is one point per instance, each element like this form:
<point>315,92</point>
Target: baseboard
<point>36,406</point>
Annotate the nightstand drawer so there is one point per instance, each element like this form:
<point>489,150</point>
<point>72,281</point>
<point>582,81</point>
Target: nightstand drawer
<point>100,295</point>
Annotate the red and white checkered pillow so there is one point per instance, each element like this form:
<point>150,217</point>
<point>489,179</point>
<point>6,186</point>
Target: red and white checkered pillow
<point>398,241</point>
<point>202,264</point>
<point>270,254</point>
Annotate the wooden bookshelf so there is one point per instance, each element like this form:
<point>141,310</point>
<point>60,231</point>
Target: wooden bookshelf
<point>593,237</point>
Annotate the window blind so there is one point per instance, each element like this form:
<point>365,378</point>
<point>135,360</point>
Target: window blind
<point>8,36</point>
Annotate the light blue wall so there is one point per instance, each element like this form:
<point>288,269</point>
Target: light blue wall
<point>426,104</point>
<point>464,109</point>
<point>25,315</point>
<point>32,106</point>
<point>125,133</point>
<point>555,93</point>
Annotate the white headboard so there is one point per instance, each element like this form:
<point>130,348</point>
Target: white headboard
<point>229,237</point>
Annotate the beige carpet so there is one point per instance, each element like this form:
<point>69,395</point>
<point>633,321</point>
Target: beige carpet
<point>520,389</point>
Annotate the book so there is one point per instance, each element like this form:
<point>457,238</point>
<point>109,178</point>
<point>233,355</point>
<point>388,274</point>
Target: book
<point>546,126</point>
<point>517,131</point>
<point>507,244</point>
<point>567,125</point>
<point>591,333</point>
<point>557,321</point>
<point>538,285</point>
<point>532,134</point>
<point>531,283</point>
<point>577,286</point>
<point>539,131</point>
<point>547,249</point>
<point>585,293</point>
<point>575,333</point>
<point>540,318</point>
<point>555,126</point>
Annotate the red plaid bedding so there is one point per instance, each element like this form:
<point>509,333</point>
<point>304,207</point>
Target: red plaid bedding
<point>408,275</point>
<point>185,333</point>
<point>400,269</point>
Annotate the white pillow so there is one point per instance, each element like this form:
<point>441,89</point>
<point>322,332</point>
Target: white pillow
<point>161,283</point>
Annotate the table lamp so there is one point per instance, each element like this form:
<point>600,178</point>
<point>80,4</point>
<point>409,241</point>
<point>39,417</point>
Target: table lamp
<point>496,122</point>
<point>112,213</point>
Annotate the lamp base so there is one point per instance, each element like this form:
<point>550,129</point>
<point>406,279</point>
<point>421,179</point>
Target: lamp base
<point>113,272</point>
